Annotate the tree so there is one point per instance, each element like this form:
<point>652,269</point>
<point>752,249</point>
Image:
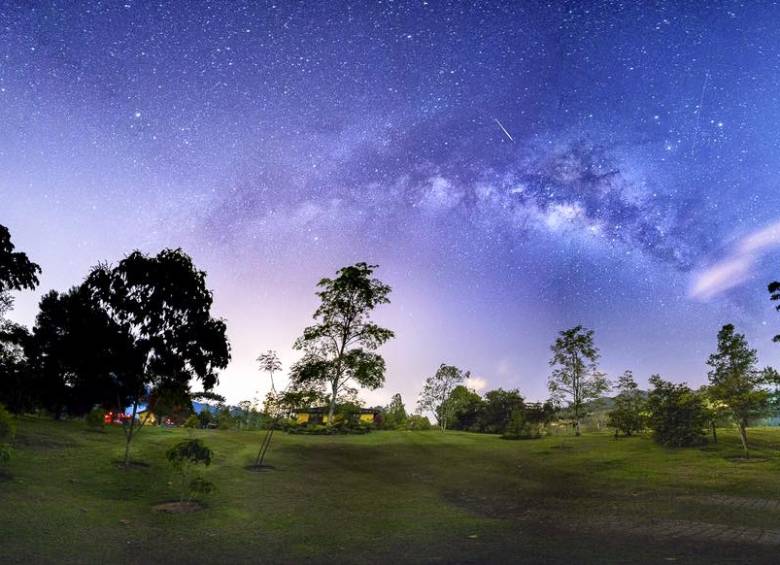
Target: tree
<point>627,416</point>
<point>340,348</point>
<point>465,409</point>
<point>270,363</point>
<point>76,353</point>
<point>436,392</point>
<point>575,377</point>
<point>497,409</point>
<point>736,380</point>
<point>678,416</point>
<point>161,302</point>
<point>395,413</point>
<point>17,272</point>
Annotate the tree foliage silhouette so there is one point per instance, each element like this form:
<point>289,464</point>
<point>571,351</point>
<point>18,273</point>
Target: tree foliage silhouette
<point>162,304</point>
<point>340,348</point>
<point>575,377</point>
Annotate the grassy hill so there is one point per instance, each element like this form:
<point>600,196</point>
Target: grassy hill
<point>391,496</point>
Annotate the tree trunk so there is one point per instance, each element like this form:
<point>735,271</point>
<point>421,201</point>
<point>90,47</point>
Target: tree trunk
<point>577,426</point>
<point>332,407</point>
<point>743,438</point>
<point>714,432</point>
<point>129,435</point>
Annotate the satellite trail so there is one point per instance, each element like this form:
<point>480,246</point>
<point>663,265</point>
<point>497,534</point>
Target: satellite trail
<point>506,133</point>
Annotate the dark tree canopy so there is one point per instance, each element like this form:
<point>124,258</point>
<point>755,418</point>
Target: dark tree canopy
<point>162,304</point>
<point>78,356</point>
<point>340,349</point>
<point>17,272</point>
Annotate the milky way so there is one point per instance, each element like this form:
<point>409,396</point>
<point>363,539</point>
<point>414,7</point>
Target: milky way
<point>513,169</point>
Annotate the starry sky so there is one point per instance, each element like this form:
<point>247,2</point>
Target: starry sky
<point>514,168</point>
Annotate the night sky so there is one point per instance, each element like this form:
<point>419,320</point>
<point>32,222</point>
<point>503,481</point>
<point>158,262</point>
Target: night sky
<point>515,169</point>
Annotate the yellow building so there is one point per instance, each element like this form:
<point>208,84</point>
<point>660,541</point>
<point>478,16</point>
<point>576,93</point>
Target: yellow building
<point>319,415</point>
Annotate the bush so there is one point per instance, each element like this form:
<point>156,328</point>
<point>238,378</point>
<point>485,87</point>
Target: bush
<point>185,457</point>
<point>7,432</point>
<point>522,426</point>
<point>96,419</point>
<point>192,422</point>
<point>678,416</point>
<point>416,422</point>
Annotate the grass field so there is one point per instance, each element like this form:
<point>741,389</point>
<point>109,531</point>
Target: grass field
<point>391,496</point>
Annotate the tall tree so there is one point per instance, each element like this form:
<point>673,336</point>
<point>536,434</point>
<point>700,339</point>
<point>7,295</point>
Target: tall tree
<point>627,416</point>
<point>678,415</point>
<point>575,377</point>
<point>270,363</point>
<point>736,380</point>
<point>75,354</point>
<point>161,302</point>
<point>340,348</point>
<point>395,413</point>
<point>437,391</point>
<point>17,272</point>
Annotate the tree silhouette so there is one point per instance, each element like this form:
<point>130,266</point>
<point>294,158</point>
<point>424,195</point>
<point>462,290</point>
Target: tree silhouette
<point>340,347</point>
<point>736,380</point>
<point>270,363</point>
<point>437,393</point>
<point>161,302</point>
<point>17,272</point>
<point>575,377</point>
<point>76,353</point>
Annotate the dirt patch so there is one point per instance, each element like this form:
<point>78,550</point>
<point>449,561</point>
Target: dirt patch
<point>41,443</point>
<point>259,468</point>
<point>132,464</point>
<point>180,507</point>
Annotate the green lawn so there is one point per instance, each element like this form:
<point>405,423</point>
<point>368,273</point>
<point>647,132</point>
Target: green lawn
<point>388,496</point>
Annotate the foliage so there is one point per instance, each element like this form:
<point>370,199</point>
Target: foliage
<point>417,423</point>
<point>465,409</point>
<point>185,457</point>
<point>394,414</point>
<point>270,363</point>
<point>340,348</point>
<point>678,415</point>
<point>575,377</point>
<point>7,432</point>
<point>736,381</point>
<point>17,272</point>
<point>435,396</point>
<point>528,421</point>
<point>162,304</point>
<point>192,422</point>
<point>497,409</point>
<point>628,414</point>
<point>96,419</point>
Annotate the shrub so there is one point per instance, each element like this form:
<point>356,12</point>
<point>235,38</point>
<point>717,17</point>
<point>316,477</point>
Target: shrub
<point>678,416</point>
<point>192,422</point>
<point>185,457</point>
<point>416,422</point>
<point>96,419</point>
<point>521,426</point>
<point>7,432</point>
